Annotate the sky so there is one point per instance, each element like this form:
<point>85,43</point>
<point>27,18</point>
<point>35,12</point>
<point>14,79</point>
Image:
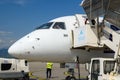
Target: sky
<point>20,17</point>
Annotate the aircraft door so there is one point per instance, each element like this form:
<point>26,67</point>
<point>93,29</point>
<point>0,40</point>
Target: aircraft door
<point>84,36</point>
<point>95,69</point>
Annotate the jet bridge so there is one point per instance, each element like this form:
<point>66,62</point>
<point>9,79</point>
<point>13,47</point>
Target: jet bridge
<point>110,11</point>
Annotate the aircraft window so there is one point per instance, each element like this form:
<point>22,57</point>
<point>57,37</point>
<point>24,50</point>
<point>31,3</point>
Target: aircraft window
<point>59,25</point>
<point>45,26</point>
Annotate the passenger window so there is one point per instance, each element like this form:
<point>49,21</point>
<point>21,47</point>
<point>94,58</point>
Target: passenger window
<point>5,66</point>
<point>59,25</point>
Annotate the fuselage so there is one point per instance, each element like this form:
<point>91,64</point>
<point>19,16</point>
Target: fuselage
<point>53,42</point>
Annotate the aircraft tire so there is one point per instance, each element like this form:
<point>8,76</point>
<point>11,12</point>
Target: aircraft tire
<point>70,78</point>
<point>67,78</point>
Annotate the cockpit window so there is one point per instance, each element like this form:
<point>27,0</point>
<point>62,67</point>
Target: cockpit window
<point>59,25</point>
<point>45,26</point>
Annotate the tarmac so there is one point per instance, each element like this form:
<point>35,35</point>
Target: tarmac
<point>38,70</point>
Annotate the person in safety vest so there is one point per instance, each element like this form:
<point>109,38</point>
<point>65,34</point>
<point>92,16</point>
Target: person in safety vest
<point>49,66</point>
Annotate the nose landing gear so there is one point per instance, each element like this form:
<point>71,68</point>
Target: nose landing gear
<point>70,74</point>
<point>71,71</point>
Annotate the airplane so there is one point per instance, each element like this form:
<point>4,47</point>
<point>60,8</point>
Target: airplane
<point>60,40</point>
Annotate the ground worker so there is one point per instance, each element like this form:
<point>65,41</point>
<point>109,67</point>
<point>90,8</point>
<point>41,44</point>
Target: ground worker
<point>49,66</point>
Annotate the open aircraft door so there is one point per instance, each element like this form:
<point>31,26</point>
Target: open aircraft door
<point>84,35</point>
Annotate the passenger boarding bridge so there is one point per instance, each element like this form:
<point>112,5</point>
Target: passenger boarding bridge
<point>108,35</point>
<point>109,9</point>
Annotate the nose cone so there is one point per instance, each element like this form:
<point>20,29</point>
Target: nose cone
<point>17,48</point>
<point>11,50</point>
<point>14,50</point>
<point>22,47</point>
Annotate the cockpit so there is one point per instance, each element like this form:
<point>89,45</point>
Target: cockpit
<point>53,25</point>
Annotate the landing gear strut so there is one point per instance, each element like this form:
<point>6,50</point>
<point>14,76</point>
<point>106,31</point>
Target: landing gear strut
<point>71,71</point>
<point>70,74</point>
<point>77,61</point>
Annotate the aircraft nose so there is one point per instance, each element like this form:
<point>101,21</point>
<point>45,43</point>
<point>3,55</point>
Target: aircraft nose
<point>13,50</point>
<point>16,49</point>
<point>23,46</point>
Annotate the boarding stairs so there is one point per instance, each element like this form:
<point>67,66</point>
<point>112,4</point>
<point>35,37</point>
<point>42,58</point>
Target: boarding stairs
<point>111,39</point>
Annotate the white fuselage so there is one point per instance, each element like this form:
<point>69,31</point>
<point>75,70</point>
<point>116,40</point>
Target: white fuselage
<point>50,44</point>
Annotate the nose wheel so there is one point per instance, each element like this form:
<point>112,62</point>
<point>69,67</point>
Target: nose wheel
<point>70,78</point>
<point>70,72</point>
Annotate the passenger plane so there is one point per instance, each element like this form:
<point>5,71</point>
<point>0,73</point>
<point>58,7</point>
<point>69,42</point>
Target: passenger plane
<point>56,41</point>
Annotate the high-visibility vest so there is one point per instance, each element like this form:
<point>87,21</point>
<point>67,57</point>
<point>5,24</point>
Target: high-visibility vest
<point>49,65</point>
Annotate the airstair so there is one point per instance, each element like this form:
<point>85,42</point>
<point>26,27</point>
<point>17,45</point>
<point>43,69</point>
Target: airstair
<point>111,39</point>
